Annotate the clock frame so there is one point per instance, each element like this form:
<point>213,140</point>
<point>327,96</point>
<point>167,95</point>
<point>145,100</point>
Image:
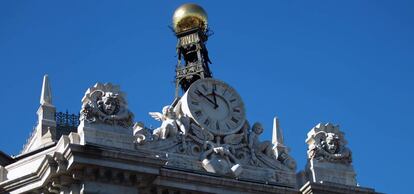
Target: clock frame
<point>214,105</point>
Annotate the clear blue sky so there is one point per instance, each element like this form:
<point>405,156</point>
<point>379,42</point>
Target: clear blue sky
<point>346,62</point>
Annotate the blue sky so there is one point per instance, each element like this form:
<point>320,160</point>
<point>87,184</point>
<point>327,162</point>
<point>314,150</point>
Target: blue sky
<point>345,62</point>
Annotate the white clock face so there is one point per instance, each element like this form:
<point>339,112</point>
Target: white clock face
<point>215,106</point>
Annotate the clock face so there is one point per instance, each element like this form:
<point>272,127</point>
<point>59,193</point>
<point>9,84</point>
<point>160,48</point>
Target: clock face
<point>215,106</point>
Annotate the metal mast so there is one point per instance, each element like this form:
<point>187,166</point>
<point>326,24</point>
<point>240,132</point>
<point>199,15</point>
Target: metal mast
<point>190,26</point>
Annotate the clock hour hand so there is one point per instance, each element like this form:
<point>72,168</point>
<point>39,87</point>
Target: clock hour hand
<point>204,96</point>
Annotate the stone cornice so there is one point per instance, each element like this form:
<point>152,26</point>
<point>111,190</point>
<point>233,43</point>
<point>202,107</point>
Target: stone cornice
<point>74,157</point>
<point>328,187</point>
<point>208,182</point>
<point>33,180</point>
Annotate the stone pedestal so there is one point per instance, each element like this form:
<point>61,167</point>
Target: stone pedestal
<point>329,159</point>
<point>106,135</point>
<point>322,171</point>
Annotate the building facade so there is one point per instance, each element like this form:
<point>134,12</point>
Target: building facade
<point>204,144</point>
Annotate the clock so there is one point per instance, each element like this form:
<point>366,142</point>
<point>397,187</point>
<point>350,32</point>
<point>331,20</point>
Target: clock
<point>214,105</point>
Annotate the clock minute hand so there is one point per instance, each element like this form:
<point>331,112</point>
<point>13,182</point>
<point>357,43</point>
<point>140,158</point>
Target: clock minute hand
<point>204,96</point>
<point>215,99</point>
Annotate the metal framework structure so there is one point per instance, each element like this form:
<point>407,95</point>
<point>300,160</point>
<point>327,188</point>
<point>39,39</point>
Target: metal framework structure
<point>66,123</point>
<point>191,47</point>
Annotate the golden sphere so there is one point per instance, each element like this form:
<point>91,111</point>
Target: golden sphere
<point>189,16</point>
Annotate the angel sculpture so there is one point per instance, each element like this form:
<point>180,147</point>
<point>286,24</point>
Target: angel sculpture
<point>170,123</point>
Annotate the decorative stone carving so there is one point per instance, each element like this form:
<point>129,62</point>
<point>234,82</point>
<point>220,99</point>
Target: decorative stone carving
<point>239,154</point>
<point>328,146</point>
<point>329,160</point>
<point>141,134</point>
<point>220,160</point>
<point>105,118</point>
<point>256,146</point>
<point>105,103</point>
<point>170,123</point>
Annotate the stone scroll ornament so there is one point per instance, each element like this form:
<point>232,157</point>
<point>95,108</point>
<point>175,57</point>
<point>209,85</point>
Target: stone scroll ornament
<point>105,104</point>
<point>329,146</point>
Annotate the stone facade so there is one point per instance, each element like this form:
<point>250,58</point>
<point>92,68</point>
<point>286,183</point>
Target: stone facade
<point>204,143</point>
<point>105,156</point>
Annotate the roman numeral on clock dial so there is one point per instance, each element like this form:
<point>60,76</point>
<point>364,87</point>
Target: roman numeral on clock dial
<point>198,113</point>
<point>207,121</point>
<point>234,120</point>
<point>204,87</point>
<point>237,110</point>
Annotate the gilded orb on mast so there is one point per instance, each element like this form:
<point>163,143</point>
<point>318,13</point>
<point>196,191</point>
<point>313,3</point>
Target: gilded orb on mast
<point>189,16</point>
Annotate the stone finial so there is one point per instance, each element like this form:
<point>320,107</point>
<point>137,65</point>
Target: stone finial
<point>46,95</point>
<point>281,151</point>
<point>45,130</point>
<point>46,114</point>
<point>277,137</point>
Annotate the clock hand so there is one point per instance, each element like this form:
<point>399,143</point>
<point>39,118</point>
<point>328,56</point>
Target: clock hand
<point>215,99</point>
<point>204,96</point>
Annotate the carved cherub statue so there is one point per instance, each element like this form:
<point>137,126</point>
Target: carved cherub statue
<point>171,124</point>
<point>330,148</point>
<point>255,145</point>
